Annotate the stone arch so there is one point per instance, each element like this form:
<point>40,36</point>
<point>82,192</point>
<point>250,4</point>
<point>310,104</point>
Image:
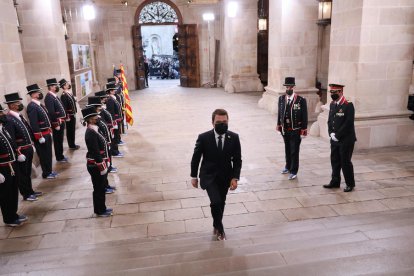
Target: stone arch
<point>168,2</point>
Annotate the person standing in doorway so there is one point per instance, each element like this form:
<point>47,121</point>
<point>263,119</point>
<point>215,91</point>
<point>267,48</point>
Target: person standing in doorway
<point>341,129</point>
<point>292,123</point>
<point>220,168</point>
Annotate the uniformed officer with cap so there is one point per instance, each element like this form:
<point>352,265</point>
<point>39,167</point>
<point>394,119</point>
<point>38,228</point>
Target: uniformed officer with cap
<point>8,179</point>
<point>41,127</point>
<point>69,104</point>
<point>57,116</point>
<point>115,109</point>
<point>342,132</point>
<point>292,123</point>
<point>110,123</point>
<point>20,132</point>
<point>97,161</point>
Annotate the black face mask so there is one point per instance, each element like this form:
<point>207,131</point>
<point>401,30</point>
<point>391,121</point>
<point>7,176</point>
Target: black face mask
<point>221,128</point>
<point>70,86</point>
<point>20,108</point>
<point>40,96</point>
<point>3,119</point>
<point>289,92</point>
<point>335,97</point>
<point>57,89</point>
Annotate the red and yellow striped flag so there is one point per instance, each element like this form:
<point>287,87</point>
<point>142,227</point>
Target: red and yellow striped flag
<point>128,110</point>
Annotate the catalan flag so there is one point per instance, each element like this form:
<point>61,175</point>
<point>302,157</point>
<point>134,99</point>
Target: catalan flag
<point>128,110</point>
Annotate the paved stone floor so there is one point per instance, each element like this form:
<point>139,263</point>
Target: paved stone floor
<point>154,197</point>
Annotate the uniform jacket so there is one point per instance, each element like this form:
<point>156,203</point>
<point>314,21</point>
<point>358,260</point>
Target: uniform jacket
<point>38,119</point>
<point>298,112</point>
<point>341,120</point>
<point>55,108</point>
<point>7,151</point>
<point>97,148</point>
<point>226,164</point>
<point>69,104</point>
<point>114,108</point>
<point>104,131</point>
<point>19,131</point>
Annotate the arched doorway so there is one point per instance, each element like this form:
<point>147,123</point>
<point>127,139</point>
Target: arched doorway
<point>165,12</point>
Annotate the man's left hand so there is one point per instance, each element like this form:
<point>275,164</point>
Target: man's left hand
<point>233,184</point>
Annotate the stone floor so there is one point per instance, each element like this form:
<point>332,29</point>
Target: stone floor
<point>154,196</point>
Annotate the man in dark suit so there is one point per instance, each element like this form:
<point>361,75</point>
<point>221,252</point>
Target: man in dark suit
<point>41,127</point>
<point>69,104</point>
<point>22,136</point>
<point>115,109</point>
<point>57,116</point>
<point>220,167</point>
<point>146,71</point>
<point>292,123</point>
<point>342,132</point>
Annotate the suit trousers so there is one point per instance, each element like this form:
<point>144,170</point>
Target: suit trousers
<point>217,192</point>
<point>70,131</point>
<point>44,151</point>
<point>9,195</point>
<point>292,146</point>
<point>25,173</point>
<point>341,154</point>
<point>114,142</point>
<point>58,142</point>
<point>98,194</point>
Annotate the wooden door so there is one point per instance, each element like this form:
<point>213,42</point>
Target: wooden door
<point>188,54</point>
<point>139,57</point>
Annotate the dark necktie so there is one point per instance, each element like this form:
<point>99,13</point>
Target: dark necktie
<point>220,143</point>
<point>288,103</point>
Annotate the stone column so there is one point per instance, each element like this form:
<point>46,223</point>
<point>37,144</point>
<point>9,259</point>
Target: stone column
<point>12,74</point>
<point>371,53</point>
<point>240,49</point>
<point>293,40</point>
<point>43,41</point>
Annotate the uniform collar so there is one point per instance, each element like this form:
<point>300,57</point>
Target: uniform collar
<point>14,114</point>
<point>53,94</point>
<point>291,97</point>
<point>93,127</point>
<point>36,101</point>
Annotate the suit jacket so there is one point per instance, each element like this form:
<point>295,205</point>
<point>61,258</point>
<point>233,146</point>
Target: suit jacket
<point>7,150</point>
<point>97,146</point>
<point>69,104</point>
<point>38,118</point>
<point>114,108</point>
<point>55,108</point>
<point>226,164</point>
<point>298,112</point>
<point>19,131</point>
<point>341,121</point>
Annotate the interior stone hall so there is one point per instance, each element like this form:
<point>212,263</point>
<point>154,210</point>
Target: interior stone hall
<point>174,63</point>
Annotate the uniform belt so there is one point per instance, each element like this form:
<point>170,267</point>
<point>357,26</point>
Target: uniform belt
<point>25,147</point>
<point>6,164</point>
<point>46,132</point>
<point>93,162</point>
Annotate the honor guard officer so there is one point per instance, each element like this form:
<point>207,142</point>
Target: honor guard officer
<point>110,123</point>
<point>115,109</point>
<point>57,116</point>
<point>292,123</point>
<point>41,127</point>
<point>342,132</point>
<point>20,132</point>
<point>95,102</point>
<point>69,104</point>
<point>119,94</point>
<point>8,180</point>
<point>97,159</point>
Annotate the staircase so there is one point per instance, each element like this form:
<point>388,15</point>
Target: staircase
<point>366,244</point>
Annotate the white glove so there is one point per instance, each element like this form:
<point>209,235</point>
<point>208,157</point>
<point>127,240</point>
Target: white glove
<point>21,158</point>
<point>57,128</point>
<point>116,126</point>
<point>42,140</point>
<point>67,120</point>
<point>333,137</point>
<point>2,178</point>
<point>104,172</point>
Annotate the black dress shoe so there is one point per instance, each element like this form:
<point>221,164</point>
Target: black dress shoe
<point>76,147</point>
<point>348,189</point>
<point>330,186</point>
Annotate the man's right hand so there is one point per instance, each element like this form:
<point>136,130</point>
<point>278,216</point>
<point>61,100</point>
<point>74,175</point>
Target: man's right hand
<point>194,182</point>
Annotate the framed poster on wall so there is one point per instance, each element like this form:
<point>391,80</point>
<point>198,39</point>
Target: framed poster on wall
<point>81,56</point>
<point>84,84</point>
